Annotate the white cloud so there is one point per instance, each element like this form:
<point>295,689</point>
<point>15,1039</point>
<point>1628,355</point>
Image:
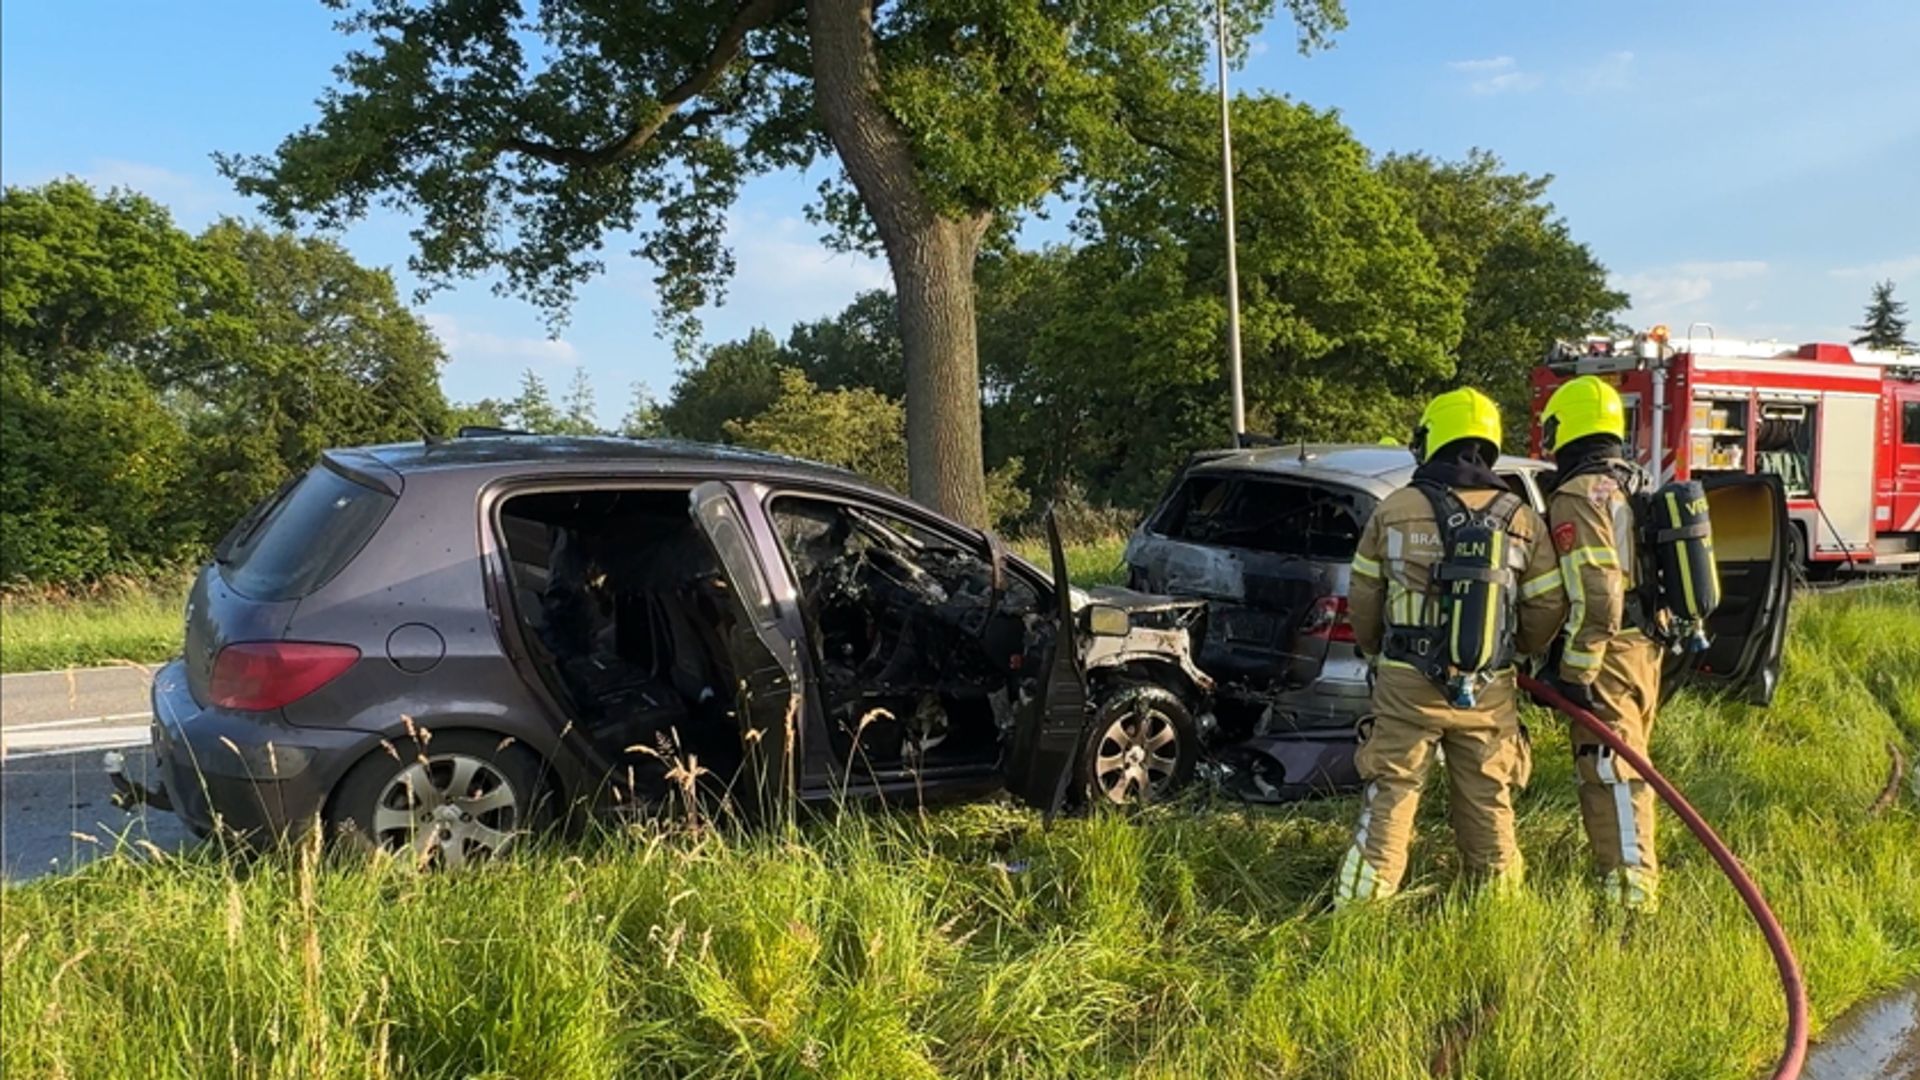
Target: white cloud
<point>1895,269</point>
<point>782,275</point>
<point>1610,73</point>
<point>1666,291</point>
<point>1495,75</point>
<point>482,348</point>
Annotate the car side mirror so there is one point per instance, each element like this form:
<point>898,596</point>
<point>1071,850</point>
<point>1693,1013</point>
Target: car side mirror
<point>1106,621</point>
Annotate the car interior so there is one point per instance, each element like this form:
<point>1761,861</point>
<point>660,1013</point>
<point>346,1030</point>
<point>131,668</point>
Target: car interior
<point>919,641</point>
<point>625,612</point>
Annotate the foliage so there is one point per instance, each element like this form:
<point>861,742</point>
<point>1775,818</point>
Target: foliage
<point>1118,360</point>
<point>1188,940</point>
<point>154,384</point>
<point>1885,325</point>
<point>522,139</point>
<point>735,381</point>
<point>856,429</point>
<point>642,420</point>
<point>1526,282</point>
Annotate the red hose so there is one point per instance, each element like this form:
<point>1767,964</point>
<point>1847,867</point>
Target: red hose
<point>1791,984</point>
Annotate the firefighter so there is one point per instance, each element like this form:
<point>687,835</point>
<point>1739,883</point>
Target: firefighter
<point>1611,663</point>
<point>1400,617</point>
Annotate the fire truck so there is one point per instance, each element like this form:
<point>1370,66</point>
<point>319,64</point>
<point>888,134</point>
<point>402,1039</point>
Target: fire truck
<point>1838,425</point>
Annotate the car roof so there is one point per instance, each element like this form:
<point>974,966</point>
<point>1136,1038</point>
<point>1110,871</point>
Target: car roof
<point>570,451</point>
<point>1377,467</point>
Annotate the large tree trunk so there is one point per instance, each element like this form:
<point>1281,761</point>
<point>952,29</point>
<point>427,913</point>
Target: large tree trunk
<point>931,255</point>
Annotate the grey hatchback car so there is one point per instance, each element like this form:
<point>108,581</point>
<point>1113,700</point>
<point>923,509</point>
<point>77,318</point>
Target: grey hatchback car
<point>434,647</point>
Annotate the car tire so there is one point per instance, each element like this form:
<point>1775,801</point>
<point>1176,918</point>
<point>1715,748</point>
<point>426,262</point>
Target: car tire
<point>450,800</point>
<point>1141,747</point>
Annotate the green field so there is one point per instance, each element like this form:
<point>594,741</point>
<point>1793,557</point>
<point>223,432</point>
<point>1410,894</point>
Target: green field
<point>1190,940</point>
<point>138,622</point>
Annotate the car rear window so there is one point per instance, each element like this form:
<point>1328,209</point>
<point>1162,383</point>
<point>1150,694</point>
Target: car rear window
<point>1278,516</point>
<point>306,534</point>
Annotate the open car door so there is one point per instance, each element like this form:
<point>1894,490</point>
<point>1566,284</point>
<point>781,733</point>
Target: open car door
<point>1748,631</point>
<point>1046,744</point>
<point>765,659</point>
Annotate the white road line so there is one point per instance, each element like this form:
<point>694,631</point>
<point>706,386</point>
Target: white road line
<point>75,721</point>
<point>100,738</point>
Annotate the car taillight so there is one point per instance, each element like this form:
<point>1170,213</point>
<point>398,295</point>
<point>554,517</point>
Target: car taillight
<point>258,675</point>
<point>1327,618</point>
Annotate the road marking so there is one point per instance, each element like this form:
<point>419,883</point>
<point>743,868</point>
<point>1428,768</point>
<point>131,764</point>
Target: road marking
<point>74,721</point>
<point>100,738</point>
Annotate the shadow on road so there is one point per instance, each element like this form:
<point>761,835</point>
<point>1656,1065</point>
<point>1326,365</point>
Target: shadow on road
<point>57,812</point>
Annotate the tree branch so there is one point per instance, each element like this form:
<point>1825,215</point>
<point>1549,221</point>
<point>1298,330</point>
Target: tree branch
<point>751,16</point>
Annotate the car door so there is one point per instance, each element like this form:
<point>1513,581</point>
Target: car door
<point>765,656</point>
<point>1748,630</point>
<point>1905,452</point>
<point>1047,740</point>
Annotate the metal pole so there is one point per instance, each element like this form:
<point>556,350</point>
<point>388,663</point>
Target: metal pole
<point>1233,259</point>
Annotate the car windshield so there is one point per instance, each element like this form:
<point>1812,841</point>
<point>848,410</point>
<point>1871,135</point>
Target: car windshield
<point>1277,516</point>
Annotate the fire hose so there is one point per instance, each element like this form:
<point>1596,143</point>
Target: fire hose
<point>1791,984</point>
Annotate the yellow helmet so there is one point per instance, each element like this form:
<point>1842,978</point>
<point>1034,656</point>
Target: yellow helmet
<point>1465,413</point>
<point>1588,405</point>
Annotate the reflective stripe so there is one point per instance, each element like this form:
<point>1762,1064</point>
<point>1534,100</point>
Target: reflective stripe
<point>1542,585</point>
<point>1592,556</point>
<point>1580,658</point>
<point>1365,567</point>
<point>1622,807</point>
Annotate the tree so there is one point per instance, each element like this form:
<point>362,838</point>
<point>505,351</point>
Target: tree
<point>1104,361</point>
<point>858,347</point>
<point>858,429</point>
<point>643,416</point>
<point>1885,326</point>
<point>736,380</point>
<point>580,417</point>
<point>153,383</point>
<point>1527,283</point>
<point>522,141</point>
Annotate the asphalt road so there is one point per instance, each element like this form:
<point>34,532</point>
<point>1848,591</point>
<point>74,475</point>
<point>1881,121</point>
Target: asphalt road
<point>56,808</point>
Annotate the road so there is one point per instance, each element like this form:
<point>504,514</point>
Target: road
<point>56,808</point>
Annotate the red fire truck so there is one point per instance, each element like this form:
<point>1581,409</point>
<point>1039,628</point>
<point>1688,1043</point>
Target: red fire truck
<point>1839,425</point>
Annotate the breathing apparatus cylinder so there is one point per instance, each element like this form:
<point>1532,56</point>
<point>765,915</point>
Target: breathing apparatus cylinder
<point>1682,541</point>
<point>1475,582</point>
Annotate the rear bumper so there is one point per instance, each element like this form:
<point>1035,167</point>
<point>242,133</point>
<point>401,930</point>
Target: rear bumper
<point>246,773</point>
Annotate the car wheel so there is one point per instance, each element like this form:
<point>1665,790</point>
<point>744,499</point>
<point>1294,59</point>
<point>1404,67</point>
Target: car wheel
<point>1141,747</point>
<point>459,798</point>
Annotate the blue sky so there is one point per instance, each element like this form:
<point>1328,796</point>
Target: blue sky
<point>1754,165</point>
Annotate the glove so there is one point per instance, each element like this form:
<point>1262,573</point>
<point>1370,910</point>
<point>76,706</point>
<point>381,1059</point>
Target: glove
<point>1580,694</point>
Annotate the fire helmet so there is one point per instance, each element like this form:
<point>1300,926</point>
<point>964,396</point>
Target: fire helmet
<point>1581,407</point>
<point>1465,413</point>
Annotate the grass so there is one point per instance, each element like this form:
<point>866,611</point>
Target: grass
<point>1187,940</point>
<point>122,620</point>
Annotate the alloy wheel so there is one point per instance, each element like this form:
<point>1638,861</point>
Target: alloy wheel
<point>1136,756</point>
<point>449,809</point>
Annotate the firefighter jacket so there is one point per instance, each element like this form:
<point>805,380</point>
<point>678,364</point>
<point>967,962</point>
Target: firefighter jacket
<point>1593,532</point>
<point>1392,572</point>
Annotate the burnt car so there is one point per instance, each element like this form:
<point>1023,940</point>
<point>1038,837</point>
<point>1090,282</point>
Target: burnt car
<point>437,646</point>
<point>1266,537</point>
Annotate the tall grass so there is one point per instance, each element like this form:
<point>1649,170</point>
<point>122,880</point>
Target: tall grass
<point>130,619</point>
<point>1189,940</point>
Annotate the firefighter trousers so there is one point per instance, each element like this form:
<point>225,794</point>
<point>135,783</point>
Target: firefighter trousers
<point>1616,805</point>
<point>1487,759</point>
